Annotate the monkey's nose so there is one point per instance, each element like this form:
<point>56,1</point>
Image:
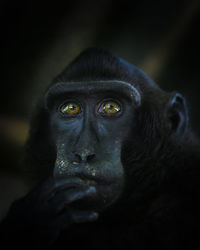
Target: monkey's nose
<point>83,157</point>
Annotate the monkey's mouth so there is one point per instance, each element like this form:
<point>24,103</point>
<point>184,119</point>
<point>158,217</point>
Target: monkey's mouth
<point>74,182</point>
<point>97,200</point>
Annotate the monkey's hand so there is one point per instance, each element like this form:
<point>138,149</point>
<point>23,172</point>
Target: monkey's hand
<point>39,217</point>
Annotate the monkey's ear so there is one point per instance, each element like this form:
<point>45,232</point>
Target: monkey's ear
<point>178,114</point>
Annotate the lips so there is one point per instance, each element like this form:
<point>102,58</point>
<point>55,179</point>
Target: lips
<point>70,182</point>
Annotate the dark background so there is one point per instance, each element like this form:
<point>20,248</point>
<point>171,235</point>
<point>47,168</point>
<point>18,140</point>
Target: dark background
<point>39,39</point>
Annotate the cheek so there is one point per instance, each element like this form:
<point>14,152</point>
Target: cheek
<point>64,132</point>
<point>118,128</point>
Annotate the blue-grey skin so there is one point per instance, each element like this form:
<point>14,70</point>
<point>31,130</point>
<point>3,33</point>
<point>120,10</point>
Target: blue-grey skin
<point>77,137</point>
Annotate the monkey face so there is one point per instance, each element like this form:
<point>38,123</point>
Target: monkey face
<point>89,126</point>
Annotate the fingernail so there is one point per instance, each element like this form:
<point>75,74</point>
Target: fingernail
<point>93,216</point>
<point>91,189</point>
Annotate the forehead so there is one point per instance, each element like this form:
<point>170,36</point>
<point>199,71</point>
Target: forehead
<point>122,88</point>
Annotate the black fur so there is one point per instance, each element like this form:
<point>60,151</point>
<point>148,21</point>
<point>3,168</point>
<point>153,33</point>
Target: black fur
<point>159,208</point>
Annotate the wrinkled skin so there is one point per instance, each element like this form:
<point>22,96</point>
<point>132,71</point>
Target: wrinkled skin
<point>88,144</point>
<point>115,162</point>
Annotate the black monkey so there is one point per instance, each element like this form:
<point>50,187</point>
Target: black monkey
<point>115,163</point>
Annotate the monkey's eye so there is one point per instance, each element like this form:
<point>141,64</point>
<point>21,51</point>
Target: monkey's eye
<point>109,108</point>
<point>70,108</point>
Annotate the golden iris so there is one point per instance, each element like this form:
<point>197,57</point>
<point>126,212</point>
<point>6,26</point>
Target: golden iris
<point>110,108</point>
<point>70,108</point>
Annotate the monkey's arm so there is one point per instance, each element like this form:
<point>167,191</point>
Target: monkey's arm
<point>38,218</point>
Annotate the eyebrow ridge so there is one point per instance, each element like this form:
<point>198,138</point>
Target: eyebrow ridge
<point>64,87</point>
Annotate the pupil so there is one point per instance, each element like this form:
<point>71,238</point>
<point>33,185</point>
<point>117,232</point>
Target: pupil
<point>110,106</point>
<point>72,107</point>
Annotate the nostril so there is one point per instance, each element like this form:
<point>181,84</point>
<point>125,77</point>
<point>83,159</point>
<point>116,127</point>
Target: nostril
<point>83,157</point>
<point>78,158</point>
<point>90,157</point>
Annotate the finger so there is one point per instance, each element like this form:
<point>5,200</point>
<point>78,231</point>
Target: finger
<point>43,191</point>
<point>80,217</point>
<point>60,200</point>
<point>46,189</point>
<point>68,183</point>
<point>71,217</point>
<point>75,194</point>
